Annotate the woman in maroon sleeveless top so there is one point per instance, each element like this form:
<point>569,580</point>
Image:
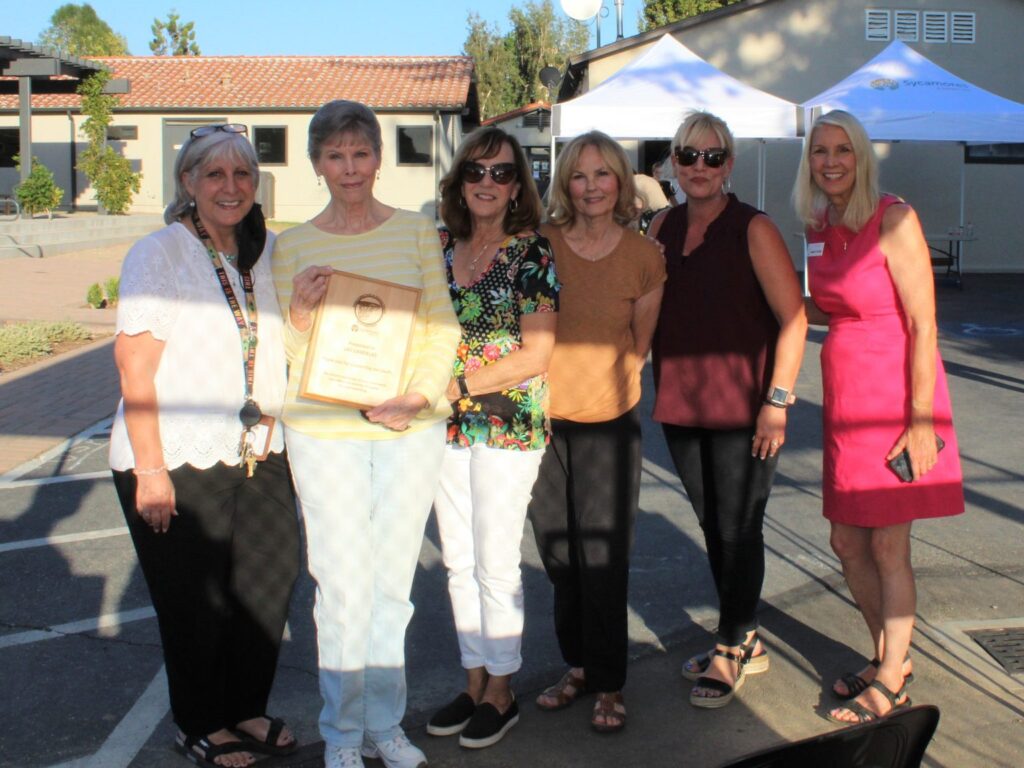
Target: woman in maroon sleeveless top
<point>727,352</point>
<point>884,394</point>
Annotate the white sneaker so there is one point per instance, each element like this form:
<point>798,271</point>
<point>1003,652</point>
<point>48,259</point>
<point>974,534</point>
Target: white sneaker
<point>342,757</point>
<point>397,752</point>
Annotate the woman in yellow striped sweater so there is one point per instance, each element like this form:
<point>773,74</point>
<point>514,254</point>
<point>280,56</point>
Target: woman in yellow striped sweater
<point>365,479</point>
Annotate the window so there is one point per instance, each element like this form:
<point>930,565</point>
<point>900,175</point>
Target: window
<point>876,25</point>
<point>270,143</point>
<point>962,24</point>
<point>906,26</point>
<point>414,145</point>
<point>10,144</point>
<point>1004,154</point>
<point>539,119</point>
<point>122,132</point>
<point>936,27</point>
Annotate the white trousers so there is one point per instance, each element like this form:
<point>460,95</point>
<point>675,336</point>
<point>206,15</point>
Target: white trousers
<point>481,508</point>
<point>365,504</point>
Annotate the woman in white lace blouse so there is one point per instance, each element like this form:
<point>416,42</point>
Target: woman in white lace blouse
<point>199,466</point>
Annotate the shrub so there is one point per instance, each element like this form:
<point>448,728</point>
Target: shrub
<point>38,193</point>
<point>109,173</point>
<point>112,287</point>
<point>94,296</point>
<point>25,340</point>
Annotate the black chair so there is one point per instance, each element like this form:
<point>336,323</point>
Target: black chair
<point>896,741</point>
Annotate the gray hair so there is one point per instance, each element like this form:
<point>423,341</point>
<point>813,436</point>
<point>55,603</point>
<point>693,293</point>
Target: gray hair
<point>343,117</point>
<point>197,153</point>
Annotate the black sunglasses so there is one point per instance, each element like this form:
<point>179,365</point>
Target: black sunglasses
<point>501,173</point>
<point>209,130</point>
<point>713,158</point>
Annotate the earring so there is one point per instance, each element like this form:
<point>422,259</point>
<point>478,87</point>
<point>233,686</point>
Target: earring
<point>191,203</point>
<point>513,204</point>
<point>378,174</point>
<point>319,181</point>
<point>462,201</point>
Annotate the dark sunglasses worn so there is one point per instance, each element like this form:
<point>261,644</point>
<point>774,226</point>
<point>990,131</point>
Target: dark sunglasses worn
<point>209,130</point>
<point>501,173</point>
<point>713,158</point>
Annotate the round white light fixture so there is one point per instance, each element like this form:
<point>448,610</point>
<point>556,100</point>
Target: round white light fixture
<point>581,10</point>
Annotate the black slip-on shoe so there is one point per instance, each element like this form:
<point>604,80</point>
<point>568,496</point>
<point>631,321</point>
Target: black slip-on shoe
<point>452,717</point>
<point>488,725</point>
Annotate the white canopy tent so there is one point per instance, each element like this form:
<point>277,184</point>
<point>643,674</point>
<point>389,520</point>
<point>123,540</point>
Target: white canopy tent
<point>649,97</point>
<point>901,95</point>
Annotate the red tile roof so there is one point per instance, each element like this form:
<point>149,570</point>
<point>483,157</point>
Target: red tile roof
<point>281,82</point>
<point>535,106</point>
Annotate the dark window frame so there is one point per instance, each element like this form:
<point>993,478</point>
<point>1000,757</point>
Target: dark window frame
<point>429,154</point>
<point>7,158</point>
<point>284,143</point>
<point>123,132</point>
<point>1014,156</point>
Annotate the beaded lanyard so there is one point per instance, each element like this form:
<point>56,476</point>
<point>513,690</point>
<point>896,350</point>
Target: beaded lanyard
<point>250,413</point>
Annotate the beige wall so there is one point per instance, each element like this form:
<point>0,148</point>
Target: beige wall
<point>297,195</point>
<point>797,48</point>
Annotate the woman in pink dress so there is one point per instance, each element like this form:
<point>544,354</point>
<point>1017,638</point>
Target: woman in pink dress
<point>884,393</point>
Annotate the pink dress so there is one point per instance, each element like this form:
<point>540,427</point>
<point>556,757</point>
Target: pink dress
<point>865,371</point>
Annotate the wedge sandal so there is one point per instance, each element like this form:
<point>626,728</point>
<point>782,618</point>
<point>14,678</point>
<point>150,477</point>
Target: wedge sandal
<point>695,666</point>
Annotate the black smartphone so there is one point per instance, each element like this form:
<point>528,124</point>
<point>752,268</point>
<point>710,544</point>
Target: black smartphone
<point>900,465</point>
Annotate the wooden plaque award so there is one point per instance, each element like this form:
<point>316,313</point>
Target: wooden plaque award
<point>360,341</point>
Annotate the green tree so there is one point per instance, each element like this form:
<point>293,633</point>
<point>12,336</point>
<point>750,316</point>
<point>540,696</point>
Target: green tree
<point>38,193</point>
<point>109,173</point>
<point>657,13</point>
<point>172,38</point>
<point>508,64</point>
<point>77,31</point>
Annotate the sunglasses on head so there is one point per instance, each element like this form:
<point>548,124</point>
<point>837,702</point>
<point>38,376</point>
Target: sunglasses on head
<point>713,158</point>
<point>501,173</point>
<point>209,130</point>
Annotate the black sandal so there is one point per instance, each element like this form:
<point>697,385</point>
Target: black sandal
<point>269,745</point>
<point>726,692</point>
<point>856,685</point>
<point>865,715</point>
<point>695,666</point>
<point>202,751</point>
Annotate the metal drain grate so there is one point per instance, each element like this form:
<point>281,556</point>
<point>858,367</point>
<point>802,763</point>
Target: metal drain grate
<point>1004,645</point>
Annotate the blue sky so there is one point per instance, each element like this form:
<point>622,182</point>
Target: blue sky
<point>301,27</point>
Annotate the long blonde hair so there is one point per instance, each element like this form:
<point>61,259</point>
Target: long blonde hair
<point>808,199</point>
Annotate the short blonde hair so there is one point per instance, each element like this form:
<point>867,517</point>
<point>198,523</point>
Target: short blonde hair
<point>560,210</point>
<point>809,200</point>
<point>698,123</point>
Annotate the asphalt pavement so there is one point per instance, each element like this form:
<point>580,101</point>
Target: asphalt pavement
<point>80,662</point>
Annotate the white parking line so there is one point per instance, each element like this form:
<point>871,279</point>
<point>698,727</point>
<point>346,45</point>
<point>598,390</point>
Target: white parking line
<point>57,450</point>
<point>67,538</point>
<point>132,733</point>
<point>106,621</point>
<point>37,481</point>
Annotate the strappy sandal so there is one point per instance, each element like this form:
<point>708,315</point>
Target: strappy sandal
<point>268,745</point>
<point>564,692</point>
<point>856,685</point>
<point>201,751</point>
<point>865,715</point>
<point>612,708</point>
<point>726,692</point>
<point>695,666</point>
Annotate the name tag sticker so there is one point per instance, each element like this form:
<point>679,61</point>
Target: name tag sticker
<point>815,249</point>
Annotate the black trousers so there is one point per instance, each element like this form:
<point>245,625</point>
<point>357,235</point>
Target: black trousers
<point>583,508</point>
<point>729,491</point>
<point>220,580</point>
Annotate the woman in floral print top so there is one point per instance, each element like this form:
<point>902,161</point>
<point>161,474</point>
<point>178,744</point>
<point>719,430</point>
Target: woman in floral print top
<point>503,287</point>
<point>519,281</point>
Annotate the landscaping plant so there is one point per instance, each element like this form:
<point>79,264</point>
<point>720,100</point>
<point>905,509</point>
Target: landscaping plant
<point>38,193</point>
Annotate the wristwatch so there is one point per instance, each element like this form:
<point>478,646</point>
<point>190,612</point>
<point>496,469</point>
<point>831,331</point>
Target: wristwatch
<point>463,386</point>
<point>779,397</point>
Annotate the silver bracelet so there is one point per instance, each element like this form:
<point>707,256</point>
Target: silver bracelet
<point>147,472</point>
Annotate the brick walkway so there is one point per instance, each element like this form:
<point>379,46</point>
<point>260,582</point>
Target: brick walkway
<point>44,404</point>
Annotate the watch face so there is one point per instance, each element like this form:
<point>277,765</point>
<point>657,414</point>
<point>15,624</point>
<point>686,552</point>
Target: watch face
<point>778,395</point>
